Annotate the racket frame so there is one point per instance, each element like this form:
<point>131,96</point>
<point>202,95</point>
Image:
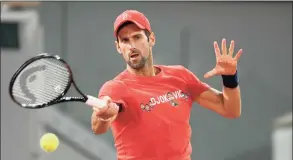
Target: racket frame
<point>58,99</point>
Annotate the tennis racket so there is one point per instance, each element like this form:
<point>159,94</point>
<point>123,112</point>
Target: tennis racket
<point>43,81</point>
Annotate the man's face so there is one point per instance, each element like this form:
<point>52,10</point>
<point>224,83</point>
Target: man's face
<point>134,46</point>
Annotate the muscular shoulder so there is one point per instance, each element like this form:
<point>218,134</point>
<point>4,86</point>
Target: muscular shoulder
<point>112,88</point>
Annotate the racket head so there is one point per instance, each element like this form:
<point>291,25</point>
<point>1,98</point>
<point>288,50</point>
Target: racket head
<point>40,81</point>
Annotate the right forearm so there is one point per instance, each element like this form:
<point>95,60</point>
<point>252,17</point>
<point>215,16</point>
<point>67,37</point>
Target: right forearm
<point>99,126</point>
<point>103,117</point>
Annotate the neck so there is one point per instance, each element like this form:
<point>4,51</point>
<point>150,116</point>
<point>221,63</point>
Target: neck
<point>147,70</point>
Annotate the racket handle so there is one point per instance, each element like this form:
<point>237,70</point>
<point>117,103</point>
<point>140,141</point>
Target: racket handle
<point>93,101</point>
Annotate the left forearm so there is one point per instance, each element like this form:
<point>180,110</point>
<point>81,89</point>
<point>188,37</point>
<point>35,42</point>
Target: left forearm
<point>232,101</point>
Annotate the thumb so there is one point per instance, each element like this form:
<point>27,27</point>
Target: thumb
<point>210,73</point>
<point>107,99</point>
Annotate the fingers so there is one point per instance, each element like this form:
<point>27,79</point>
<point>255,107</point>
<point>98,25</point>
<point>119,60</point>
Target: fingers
<point>231,48</point>
<point>217,49</point>
<point>107,99</point>
<point>224,47</point>
<point>211,73</point>
<point>238,55</point>
<point>101,107</point>
<point>113,107</point>
<point>110,110</point>
<point>99,111</point>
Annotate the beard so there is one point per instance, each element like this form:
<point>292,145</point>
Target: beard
<point>138,65</point>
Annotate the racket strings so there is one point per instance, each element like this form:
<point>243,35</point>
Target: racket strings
<point>41,82</point>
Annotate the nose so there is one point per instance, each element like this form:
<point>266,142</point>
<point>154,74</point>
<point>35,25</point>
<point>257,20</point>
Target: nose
<point>132,49</point>
<point>131,45</point>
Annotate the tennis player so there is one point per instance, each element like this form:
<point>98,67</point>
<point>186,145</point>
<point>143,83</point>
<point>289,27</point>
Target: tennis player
<point>148,106</point>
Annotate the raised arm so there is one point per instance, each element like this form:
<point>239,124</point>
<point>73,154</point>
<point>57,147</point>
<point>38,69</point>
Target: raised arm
<point>228,101</point>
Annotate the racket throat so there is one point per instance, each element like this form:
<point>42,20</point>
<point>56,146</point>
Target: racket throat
<point>71,99</point>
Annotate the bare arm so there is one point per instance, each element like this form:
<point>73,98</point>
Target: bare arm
<point>102,118</point>
<point>99,126</point>
<point>227,103</point>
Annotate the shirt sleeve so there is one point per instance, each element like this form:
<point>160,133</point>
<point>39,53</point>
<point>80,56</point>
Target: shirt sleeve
<point>194,84</point>
<point>115,90</point>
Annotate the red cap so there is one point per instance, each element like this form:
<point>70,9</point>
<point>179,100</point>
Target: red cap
<point>133,16</point>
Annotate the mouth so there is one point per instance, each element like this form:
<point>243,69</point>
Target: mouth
<point>134,55</point>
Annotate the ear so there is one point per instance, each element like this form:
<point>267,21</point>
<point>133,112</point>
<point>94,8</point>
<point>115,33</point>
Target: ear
<point>117,47</point>
<point>152,39</point>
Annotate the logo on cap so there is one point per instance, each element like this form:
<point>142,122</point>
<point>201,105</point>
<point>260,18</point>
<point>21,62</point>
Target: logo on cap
<point>124,16</point>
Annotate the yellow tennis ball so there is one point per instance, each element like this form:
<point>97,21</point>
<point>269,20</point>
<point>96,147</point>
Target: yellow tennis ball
<point>49,142</point>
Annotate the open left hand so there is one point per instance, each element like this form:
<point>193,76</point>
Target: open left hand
<point>226,63</point>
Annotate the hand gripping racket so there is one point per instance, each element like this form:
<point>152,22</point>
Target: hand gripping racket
<point>43,81</point>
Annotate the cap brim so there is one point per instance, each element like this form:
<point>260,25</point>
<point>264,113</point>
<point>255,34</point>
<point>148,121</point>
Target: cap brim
<point>128,20</point>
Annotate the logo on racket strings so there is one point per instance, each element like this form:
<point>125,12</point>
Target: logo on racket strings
<point>58,89</point>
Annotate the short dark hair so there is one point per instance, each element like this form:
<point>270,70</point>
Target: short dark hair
<point>147,33</point>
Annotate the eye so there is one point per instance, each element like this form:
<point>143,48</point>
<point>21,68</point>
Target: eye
<point>124,40</point>
<point>136,37</point>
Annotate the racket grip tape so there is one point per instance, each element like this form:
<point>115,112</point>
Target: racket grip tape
<point>96,102</point>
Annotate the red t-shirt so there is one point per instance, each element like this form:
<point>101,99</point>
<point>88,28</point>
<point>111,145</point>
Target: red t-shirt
<point>154,121</point>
